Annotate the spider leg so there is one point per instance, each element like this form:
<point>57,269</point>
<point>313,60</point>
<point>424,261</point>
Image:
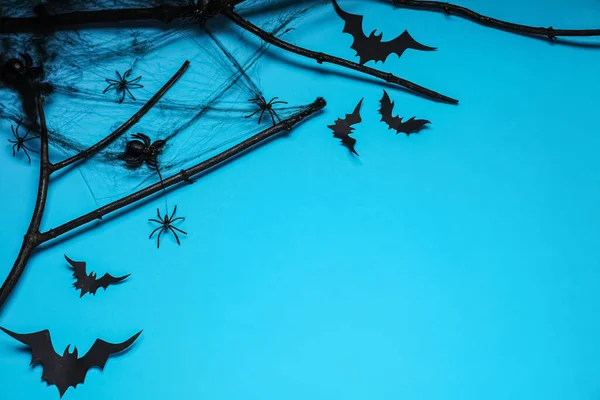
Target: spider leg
<point>279,102</point>
<point>12,141</point>
<point>126,74</point>
<point>119,75</point>
<point>27,154</point>
<point>179,230</point>
<point>122,96</point>
<point>158,239</point>
<point>154,231</point>
<point>178,219</point>
<point>254,113</point>
<point>13,149</point>
<point>129,93</point>
<point>261,115</point>
<point>109,86</point>
<point>28,139</point>
<point>175,234</point>
<point>173,214</point>
<point>135,85</point>
<point>135,80</point>
<point>25,147</point>
<point>271,114</point>
<point>13,132</point>
<point>158,213</point>
<point>155,220</point>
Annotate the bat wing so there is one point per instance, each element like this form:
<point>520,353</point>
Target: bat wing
<point>399,45</point>
<point>394,122</point>
<point>342,128</point>
<point>372,47</point>
<point>108,279</point>
<point>99,353</point>
<point>54,368</point>
<point>79,272</point>
<point>42,351</point>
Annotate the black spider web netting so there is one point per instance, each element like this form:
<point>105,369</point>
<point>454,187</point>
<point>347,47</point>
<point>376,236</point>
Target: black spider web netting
<point>207,111</point>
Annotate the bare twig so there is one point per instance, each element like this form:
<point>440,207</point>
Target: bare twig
<point>464,12</point>
<point>90,151</point>
<point>47,23</point>
<point>183,175</point>
<point>322,57</point>
<point>32,237</point>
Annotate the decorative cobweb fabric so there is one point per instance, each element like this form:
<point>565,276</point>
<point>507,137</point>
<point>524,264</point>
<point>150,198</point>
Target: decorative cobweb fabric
<point>208,110</point>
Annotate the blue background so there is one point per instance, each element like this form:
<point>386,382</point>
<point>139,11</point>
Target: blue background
<point>460,263</point>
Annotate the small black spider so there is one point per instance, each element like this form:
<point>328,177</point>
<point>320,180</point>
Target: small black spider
<point>200,11</point>
<point>140,150</point>
<point>165,223</point>
<point>19,142</point>
<point>263,107</point>
<point>15,69</point>
<point>123,85</point>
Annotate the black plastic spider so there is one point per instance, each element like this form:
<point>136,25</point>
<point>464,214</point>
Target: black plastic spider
<point>166,224</point>
<point>263,107</point>
<point>141,150</point>
<point>14,68</point>
<point>123,85</point>
<point>200,11</point>
<point>19,142</point>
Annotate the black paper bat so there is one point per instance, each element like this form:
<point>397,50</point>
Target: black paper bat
<point>410,126</point>
<point>67,370</point>
<point>372,47</point>
<point>342,128</point>
<point>88,283</point>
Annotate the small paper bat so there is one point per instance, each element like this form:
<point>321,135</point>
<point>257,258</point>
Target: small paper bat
<point>88,283</point>
<point>372,47</point>
<point>342,128</point>
<point>67,370</point>
<point>410,126</point>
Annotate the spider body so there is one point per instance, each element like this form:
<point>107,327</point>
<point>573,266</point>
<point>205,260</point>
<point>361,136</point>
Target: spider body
<point>200,11</point>
<point>19,142</point>
<point>123,85</point>
<point>166,223</point>
<point>141,150</point>
<point>264,106</point>
<point>15,69</point>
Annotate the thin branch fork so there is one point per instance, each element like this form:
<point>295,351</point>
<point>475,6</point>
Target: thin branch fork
<point>452,9</point>
<point>184,175</point>
<point>32,238</point>
<point>94,149</point>
<point>322,57</point>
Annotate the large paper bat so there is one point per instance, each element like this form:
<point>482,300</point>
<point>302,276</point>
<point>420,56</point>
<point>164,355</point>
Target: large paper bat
<point>342,128</point>
<point>372,47</point>
<point>410,126</point>
<point>88,283</point>
<point>67,370</point>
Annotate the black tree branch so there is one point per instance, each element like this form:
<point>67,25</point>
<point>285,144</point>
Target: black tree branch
<point>322,57</point>
<point>47,23</point>
<point>90,151</point>
<point>448,8</point>
<point>32,237</point>
<point>184,175</point>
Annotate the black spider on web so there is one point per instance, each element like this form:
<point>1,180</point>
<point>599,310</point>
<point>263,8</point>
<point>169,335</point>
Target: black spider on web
<point>19,142</point>
<point>264,106</point>
<point>123,84</point>
<point>166,224</point>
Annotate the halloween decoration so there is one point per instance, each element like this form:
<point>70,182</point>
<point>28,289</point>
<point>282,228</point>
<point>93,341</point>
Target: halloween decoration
<point>67,370</point>
<point>123,84</point>
<point>263,107</point>
<point>372,47</point>
<point>89,283</point>
<point>166,225</point>
<point>342,128</point>
<point>410,126</point>
<point>19,142</point>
